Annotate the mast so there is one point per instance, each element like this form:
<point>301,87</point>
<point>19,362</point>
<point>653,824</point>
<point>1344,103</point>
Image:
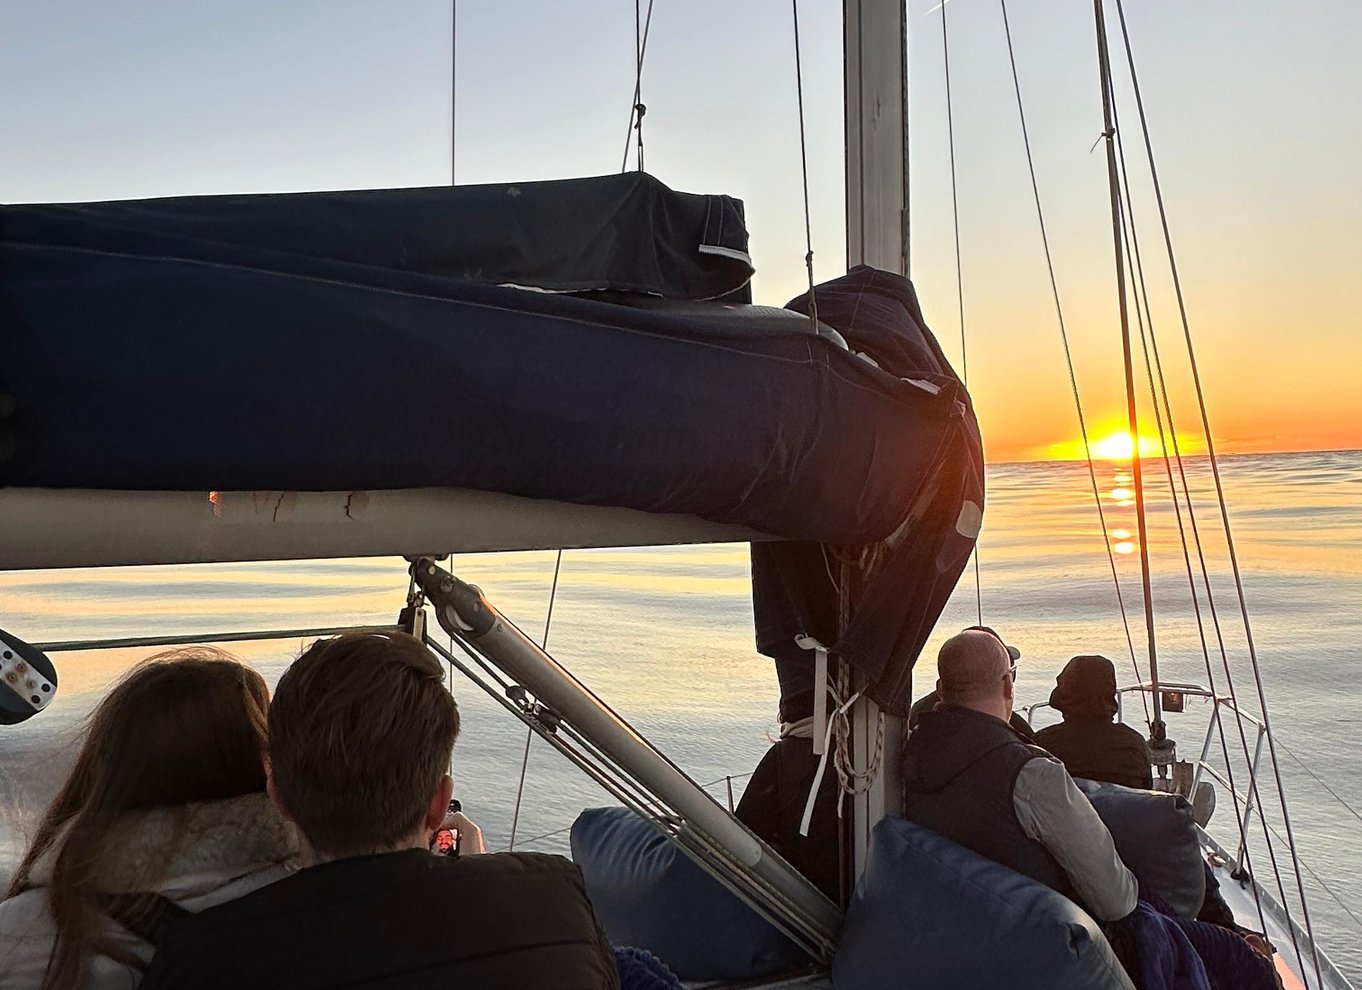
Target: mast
<point>875,72</point>
<point>1157,729</point>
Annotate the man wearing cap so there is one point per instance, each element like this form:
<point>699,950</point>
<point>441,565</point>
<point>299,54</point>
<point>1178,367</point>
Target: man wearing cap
<point>1088,742</point>
<point>971,777</point>
<point>930,700</point>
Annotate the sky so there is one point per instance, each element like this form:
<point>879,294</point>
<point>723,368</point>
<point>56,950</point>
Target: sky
<point>1252,110</point>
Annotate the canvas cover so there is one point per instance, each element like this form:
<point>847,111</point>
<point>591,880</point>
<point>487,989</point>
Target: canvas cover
<point>364,341</point>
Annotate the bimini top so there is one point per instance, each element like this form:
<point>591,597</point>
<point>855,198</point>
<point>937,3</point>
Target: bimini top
<point>340,374</point>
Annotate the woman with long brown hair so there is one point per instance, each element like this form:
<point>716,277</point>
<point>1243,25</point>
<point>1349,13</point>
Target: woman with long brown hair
<point>164,811</point>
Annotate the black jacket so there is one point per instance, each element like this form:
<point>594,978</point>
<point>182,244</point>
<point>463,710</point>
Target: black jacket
<point>960,771</point>
<point>1097,748</point>
<point>773,807</point>
<point>398,921</point>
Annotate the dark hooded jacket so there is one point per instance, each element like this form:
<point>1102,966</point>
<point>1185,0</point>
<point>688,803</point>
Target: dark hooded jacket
<point>398,921</point>
<point>959,777</point>
<point>1088,742</point>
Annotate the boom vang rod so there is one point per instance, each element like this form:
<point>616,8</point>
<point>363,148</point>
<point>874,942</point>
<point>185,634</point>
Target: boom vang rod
<point>529,735</point>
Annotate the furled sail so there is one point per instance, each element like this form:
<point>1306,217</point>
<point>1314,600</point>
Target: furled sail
<point>364,342</point>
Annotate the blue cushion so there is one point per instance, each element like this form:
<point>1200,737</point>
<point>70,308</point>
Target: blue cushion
<point>1155,835</point>
<point>929,913</point>
<point>649,894</point>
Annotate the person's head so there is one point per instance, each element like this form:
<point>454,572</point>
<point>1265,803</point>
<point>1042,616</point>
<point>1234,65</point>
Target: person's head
<point>976,670</point>
<point>361,729</point>
<point>444,840</point>
<point>179,728</point>
<point>1086,688</point>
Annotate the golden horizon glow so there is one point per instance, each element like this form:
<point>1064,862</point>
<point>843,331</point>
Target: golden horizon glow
<point>1116,446</point>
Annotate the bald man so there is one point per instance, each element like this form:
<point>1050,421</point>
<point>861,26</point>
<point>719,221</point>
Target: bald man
<point>969,776</point>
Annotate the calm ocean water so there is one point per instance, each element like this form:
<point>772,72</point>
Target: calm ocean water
<point>664,635</point>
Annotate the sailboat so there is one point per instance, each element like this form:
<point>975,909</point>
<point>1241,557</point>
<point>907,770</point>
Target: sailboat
<point>235,378</point>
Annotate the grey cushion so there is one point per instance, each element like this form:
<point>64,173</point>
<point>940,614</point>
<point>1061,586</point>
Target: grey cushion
<point>650,895</point>
<point>1156,836</point>
<point>931,914</point>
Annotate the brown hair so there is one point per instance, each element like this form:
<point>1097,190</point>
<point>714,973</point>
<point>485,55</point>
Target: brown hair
<point>360,734</point>
<point>178,728</point>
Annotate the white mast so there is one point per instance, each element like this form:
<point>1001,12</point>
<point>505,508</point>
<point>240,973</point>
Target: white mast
<point>875,46</point>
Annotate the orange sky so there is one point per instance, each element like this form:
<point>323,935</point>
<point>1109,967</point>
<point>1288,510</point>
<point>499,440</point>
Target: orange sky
<point>1258,154</point>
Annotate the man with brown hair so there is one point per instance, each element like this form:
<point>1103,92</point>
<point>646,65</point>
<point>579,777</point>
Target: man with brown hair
<point>361,729</point>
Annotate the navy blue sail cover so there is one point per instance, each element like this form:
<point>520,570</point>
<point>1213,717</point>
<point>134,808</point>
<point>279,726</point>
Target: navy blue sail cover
<point>626,232</point>
<point>350,341</point>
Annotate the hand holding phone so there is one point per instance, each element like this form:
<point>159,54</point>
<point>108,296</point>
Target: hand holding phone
<point>445,843</point>
<point>468,837</point>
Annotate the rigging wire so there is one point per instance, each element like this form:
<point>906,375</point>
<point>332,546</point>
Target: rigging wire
<point>1219,488</point>
<point>1318,780</point>
<point>1328,890</point>
<point>1068,357</point>
<point>454,93</point>
<point>1156,731</point>
<point>642,26</point>
<point>1145,319</point>
<point>529,732</point>
<point>959,270</point>
<point>804,169</point>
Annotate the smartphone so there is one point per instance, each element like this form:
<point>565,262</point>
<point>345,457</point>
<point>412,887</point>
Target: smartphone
<point>445,842</point>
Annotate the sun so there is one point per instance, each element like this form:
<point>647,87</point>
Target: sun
<point>1117,447</point>
<point>1114,444</point>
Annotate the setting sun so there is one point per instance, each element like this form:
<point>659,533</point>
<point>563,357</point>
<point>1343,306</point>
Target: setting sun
<point>1115,445</point>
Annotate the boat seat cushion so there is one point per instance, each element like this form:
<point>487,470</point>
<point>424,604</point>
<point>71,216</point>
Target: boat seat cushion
<point>649,894</point>
<point>930,914</point>
<point>1155,834</point>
